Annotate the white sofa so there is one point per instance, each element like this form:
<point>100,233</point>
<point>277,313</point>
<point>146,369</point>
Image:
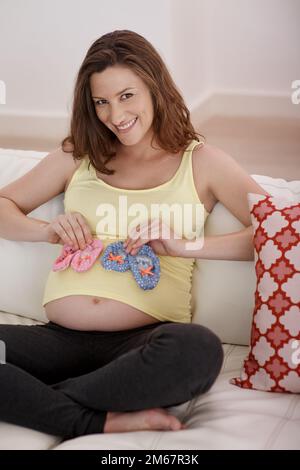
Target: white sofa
<point>227,417</point>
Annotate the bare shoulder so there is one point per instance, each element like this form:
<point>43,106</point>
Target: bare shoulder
<point>44,181</point>
<point>225,180</point>
<point>201,172</point>
<point>70,163</point>
<point>65,162</point>
<point>206,156</point>
<point>219,169</point>
<point>66,155</point>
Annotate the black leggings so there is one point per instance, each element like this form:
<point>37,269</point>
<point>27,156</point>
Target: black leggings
<point>63,382</point>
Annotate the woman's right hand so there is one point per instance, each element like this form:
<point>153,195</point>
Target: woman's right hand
<point>70,228</point>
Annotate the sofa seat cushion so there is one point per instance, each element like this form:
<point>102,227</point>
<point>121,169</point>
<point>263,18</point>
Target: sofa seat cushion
<point>12,319</point>
<point>17,437</point>
<point>14,437</point>
<point>227,417</point>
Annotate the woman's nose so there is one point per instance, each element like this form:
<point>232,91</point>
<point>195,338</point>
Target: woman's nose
<point>116,116</point>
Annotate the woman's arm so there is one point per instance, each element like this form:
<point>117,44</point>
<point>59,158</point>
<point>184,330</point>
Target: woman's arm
<point>236,246</point>
<point>228,183</point>
<point>43,182</point>
<point>15,225</point>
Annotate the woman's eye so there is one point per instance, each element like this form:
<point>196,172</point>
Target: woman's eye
<point>101,102</point>
<point>127,94</point>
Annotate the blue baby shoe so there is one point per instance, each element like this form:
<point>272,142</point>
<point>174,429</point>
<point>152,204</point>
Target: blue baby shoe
<point>145,267</point>
<point>115,258</point>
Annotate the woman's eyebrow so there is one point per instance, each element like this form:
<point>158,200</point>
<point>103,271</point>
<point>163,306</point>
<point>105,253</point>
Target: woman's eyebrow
<point>120,93</point>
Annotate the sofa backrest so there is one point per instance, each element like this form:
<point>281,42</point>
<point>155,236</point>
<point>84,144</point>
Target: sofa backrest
<point>25,265</point>
<point>222,291</point>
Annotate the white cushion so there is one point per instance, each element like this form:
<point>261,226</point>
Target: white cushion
<point>13,437</point>
<point>223,291</point>
<point>18,437</point>
<point>25,265</point>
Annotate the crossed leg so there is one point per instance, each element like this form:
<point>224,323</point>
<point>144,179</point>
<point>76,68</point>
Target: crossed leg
<point>148,368</point>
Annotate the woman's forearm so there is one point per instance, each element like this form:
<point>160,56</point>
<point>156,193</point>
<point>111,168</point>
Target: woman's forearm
<point>236,246</point>
<point>15,225</point>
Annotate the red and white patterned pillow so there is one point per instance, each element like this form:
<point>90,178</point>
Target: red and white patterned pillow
<point>273,363</point>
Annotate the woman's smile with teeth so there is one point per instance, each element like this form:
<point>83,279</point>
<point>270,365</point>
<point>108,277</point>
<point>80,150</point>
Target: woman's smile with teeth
<point>128,125</point>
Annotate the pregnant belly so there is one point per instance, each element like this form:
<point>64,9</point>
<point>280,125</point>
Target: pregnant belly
<point>88,313</point>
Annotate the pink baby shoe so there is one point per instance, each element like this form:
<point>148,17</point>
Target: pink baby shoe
<point>84,259</point>
<point>64,259</point>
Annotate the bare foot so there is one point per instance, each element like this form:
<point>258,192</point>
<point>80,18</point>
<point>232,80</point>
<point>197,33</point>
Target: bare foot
<point>154,418</point>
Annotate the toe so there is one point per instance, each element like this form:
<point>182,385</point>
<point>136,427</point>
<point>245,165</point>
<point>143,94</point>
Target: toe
<point>176,425</point>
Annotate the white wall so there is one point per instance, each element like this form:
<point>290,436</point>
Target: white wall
<point>230,56</point>
<point>237,55</point>
<point>236,44</point>
<point>258,35</point>
<point>190,53</point>
<point>43,42</point>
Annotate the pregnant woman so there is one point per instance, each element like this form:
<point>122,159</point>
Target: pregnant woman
<point>114,355</point>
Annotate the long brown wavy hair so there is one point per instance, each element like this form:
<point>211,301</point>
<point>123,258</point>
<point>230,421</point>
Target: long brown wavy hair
<point>172,127</point>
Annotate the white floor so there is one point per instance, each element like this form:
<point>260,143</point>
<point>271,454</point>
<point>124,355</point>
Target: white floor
<point>264,146</point>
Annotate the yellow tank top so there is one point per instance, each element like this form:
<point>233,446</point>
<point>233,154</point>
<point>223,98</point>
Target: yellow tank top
<point>110,212</point>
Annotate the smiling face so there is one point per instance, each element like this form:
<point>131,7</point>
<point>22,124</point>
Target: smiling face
<point>123,103</point>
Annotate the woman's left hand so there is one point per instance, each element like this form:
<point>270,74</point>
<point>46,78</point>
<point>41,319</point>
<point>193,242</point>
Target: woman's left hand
<point>159,236</point>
